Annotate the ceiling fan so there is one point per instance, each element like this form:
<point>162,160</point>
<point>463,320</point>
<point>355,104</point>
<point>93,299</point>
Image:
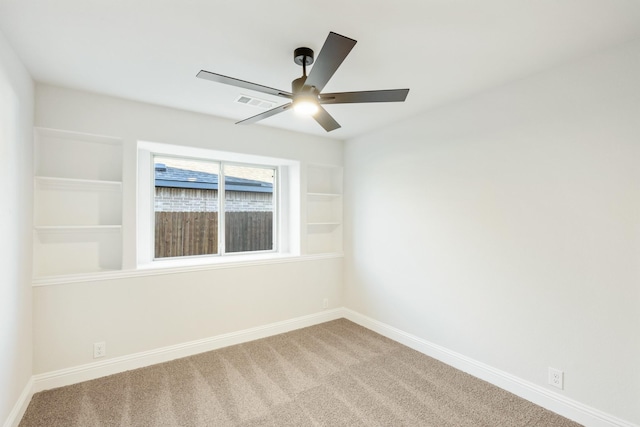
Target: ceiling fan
<point>306,92</point>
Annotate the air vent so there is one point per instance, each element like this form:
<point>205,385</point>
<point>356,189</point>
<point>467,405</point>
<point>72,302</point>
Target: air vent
<point>255,102</point>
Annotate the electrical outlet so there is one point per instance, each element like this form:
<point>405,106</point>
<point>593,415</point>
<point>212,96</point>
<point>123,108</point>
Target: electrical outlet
<point>99,349</point>
<point>325,303</point>
<point>556,378</point>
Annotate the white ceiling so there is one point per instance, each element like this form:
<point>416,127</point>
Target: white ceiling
<point>441,49</point>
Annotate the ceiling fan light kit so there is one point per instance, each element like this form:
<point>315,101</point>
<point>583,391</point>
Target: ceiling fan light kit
<point>306,92</point>
<point>306,105</point>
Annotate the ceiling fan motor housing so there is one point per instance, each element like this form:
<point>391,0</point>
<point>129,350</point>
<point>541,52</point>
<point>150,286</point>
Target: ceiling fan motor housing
<point>302,92</point>
<point>297,86</point>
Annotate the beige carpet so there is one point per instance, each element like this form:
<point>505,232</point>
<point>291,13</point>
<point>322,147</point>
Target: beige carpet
<point>333,374</point>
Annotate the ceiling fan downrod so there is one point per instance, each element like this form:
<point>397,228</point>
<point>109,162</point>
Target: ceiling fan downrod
<point>302,56</point>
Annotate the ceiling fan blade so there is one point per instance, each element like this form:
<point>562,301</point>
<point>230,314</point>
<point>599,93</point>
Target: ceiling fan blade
<point>264,115</point>
<point>325,120</point>
<point>392,95</point>
<point>333,52</point>
<point>219,78</point>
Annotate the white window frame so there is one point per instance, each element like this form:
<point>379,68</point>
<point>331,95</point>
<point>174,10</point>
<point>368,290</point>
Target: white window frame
<point>286,205</point>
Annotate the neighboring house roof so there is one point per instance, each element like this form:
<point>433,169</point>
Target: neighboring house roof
<point>166,176</point>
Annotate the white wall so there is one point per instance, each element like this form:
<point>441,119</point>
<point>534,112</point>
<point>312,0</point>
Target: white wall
<point>506,227</point>
<point>16,134</point>
<point>144,313</point>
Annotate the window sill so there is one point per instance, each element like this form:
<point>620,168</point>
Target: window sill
<point>164,267</point>
<point>214,260</point>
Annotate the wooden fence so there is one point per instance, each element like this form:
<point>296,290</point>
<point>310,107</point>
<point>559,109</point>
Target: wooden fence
<point>196,233</point>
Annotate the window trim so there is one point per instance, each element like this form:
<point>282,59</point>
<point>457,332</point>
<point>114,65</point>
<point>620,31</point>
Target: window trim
<point>286,199</point>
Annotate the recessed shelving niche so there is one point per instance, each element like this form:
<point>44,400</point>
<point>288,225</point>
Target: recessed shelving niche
<point>77,203</point>
<point>324,209</point>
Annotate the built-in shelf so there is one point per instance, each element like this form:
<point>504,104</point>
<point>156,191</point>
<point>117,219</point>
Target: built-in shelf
<point>77,203</point>
<point>77,228</point>
<point>324,209</point>
<point>72,201</point>
<point>323,196</point>
<point>55,183</point>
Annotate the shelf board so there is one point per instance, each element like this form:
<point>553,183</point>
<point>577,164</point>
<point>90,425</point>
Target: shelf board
<point>77,136</point>
<point>65,229</point>
<point>55,183</point>
<point>323,196</point>
<point>323,225</point>
<point>78,276</point>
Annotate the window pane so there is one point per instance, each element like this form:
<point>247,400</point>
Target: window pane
<point>249,208</point>
<point>186,207</point>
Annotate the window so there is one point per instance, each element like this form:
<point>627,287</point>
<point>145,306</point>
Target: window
<point>198,206</point>
<point>189,197</point>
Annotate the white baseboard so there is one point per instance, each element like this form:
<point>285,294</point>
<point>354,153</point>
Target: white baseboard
<point>548,399</point>
<point>21,405</point>
<point>115,365</point>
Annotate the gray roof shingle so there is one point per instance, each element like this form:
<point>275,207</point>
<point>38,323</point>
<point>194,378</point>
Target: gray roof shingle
<point>166,176</point>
